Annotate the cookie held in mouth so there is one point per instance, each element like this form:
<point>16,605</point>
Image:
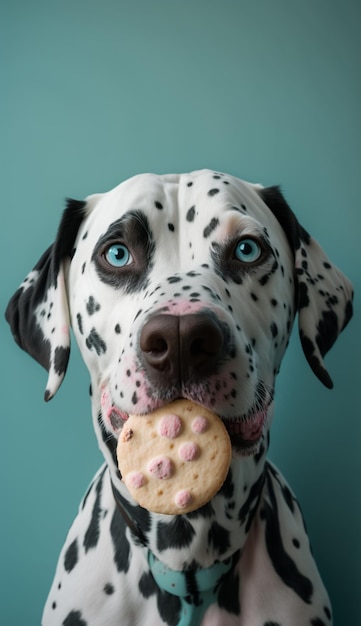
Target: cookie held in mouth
<point>175,459</point>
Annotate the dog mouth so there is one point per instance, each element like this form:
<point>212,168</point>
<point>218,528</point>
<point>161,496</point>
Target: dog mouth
<point>245,433</point>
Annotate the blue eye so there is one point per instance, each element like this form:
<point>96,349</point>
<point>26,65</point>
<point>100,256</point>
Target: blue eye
<point>118,255</point>
<point>248,251</point>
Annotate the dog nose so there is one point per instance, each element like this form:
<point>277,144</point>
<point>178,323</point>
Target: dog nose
<point>181,349</point>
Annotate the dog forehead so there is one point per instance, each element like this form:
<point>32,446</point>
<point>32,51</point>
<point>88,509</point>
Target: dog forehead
<point>189,200</point>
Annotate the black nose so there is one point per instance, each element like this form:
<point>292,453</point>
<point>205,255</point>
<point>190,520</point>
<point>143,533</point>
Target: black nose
<point>181,349</point>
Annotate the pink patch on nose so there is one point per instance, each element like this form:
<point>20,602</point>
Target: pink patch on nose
<point>183,307</point>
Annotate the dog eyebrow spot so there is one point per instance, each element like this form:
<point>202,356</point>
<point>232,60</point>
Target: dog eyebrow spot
<point>211,227</point>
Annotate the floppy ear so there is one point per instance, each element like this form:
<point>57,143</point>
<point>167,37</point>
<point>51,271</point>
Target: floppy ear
<point>324,294</point>
<point>38,311</point>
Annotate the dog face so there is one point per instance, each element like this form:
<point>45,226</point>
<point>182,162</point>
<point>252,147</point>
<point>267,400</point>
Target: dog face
<point>182,287</point>
<point>189,293</point>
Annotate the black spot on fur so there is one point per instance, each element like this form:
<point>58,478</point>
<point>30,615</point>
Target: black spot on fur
<point>92,306</point>
<point>248,509</point>
<point>74,618</point>
<point>140,516</point>
<point>303,299</point>
<point>79,320</point>
<point>169,606</point>
<point>191,214</point>
<point>327,612</point>
<point>158,205</point>
<point>147,585</point>
<point>309,350</point>
<point>72,217</point>
<point>121,544</point>
<point>348,313</point>
<point>61,358</point>
<point>206,511</point>
<point>211,227</point>
<point>108,589</point>
<point>276,202</point>
<point>92,533</point>
<point>71,556</point>
<point>227,488</point>
<point>175,534</point>
<point>327,328</point>
<point>213,192</point>
<point>95,341</point>
<point>218,537</point>
<point>228,595</point>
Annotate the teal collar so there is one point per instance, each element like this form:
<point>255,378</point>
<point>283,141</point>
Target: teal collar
<point>197,589</point>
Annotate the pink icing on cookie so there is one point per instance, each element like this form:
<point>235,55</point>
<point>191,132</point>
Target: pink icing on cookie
<point>135,480</point>
<point>170,426</point>
<point>199,425</point>
<point>183,498</point>
<point>188,451</point>
<point>160,467</point>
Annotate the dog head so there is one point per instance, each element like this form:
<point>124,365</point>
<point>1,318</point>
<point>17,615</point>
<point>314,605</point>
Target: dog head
<point>181,286</point>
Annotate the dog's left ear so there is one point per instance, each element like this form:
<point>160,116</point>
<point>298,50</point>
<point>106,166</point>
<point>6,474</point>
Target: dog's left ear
<point>38,311</point>
<point>324,294</point>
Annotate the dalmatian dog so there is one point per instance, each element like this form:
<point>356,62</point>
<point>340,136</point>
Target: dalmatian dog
<point>184,286</point>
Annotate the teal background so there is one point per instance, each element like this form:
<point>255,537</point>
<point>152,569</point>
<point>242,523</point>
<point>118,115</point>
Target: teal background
<point>94,92</point>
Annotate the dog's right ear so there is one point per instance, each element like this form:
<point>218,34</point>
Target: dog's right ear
<point>38,311</point>
<point>323,293</point>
